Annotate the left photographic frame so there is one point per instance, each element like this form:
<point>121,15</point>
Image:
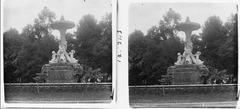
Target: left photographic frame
<point>57,51</point>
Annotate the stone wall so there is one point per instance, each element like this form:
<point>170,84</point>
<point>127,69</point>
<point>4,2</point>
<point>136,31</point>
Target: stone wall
<point>182,89</point>
<point>57,92</point>
<point>56,86</point>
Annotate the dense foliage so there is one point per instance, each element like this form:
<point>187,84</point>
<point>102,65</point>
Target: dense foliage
<point>219,48</point>
<point>26,52</point>
<point>150,55</point>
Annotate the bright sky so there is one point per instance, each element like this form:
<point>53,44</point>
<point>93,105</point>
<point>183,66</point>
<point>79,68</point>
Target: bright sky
<point>19,13</point>
<point>143,16</point>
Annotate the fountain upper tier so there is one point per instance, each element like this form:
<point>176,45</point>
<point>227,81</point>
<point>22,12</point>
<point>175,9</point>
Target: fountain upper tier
<point>62,24</point>
<point>188,26</point>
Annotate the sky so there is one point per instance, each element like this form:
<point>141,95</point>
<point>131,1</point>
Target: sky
<point>18,13</point>
<point>143,16</point>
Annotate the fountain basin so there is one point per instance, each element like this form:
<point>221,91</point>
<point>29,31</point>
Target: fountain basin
<point>188,26</point>
<point>62,24</point>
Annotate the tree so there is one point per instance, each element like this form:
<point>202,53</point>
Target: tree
<point>103,48</point>
<point>12,43</point>
<point>137,48</point>
<point>151,55</point>
<point>228,51</point>
<point>166,27</point>
<point>94,43</point>
<point>220,45</point>
<point>26,53</point>
<point>37,47</point>
<point>87,35</point>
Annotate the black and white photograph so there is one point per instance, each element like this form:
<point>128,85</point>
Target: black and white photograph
<point>119,54</point>
<point>183,54</point>
<point>57,51</point>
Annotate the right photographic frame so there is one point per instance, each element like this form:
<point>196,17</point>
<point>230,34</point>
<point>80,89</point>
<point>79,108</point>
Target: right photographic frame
<point>183,54</point>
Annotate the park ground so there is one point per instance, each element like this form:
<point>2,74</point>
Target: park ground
<point>220,96</point>
<point>58,93</point>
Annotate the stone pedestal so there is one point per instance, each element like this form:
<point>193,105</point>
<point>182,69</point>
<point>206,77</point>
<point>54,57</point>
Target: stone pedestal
<point>186,74</point>
<point>61,72</point>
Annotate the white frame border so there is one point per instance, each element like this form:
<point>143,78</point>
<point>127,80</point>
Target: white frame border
<point>65,105</point>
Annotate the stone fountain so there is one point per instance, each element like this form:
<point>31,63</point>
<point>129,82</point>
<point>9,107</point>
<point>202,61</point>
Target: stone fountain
<point>63,67</point>
<point>189,68</point>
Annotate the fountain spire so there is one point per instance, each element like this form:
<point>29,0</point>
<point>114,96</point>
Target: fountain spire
<point>62,56</point>
<point>188,69</point>
<point>187,57</point>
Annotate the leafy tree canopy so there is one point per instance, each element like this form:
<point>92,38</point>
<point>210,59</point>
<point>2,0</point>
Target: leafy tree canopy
<point>150,55</point>
<point>25,53</point>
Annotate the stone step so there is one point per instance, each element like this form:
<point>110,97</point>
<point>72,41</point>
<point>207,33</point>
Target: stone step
<point>185,70</point>
<point>60,71</point>
<point>60,68</point>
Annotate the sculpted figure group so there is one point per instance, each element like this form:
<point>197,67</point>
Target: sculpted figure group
<point>188,58</point>
<point>63,57</point>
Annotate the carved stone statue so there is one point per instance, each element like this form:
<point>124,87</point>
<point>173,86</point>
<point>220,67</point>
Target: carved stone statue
<point>62,58</point>
<point>71,54</point>
<point>54,57</point>
<point>188,59</point>
<point>72,59</point>
<point>179,59</point>
<point>198,61</point>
